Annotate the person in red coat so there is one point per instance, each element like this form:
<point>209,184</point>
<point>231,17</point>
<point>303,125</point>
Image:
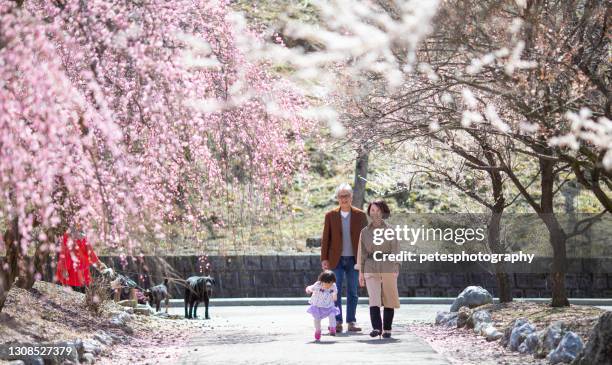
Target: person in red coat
<point>75,257</point>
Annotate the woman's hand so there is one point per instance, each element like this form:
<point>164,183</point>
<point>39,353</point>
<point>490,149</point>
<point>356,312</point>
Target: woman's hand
<point>308,290</point>
<point>108,272</point>
<point>361,279</point>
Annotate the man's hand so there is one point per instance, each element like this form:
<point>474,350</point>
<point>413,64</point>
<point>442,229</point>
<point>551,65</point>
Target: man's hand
<point>325,265</point>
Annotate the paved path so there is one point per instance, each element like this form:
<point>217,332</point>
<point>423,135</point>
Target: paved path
<point>284,335</point>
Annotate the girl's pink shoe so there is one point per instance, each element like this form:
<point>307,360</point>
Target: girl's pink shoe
<point>332,331</point>
<point>317,335</point>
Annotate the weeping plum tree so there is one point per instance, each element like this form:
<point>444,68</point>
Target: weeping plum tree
<point>109,112</point>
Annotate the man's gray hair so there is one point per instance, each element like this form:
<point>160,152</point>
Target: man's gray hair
<point>343,187</point>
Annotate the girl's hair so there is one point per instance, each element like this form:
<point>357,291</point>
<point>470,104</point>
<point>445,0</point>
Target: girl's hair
<point>327,276</point>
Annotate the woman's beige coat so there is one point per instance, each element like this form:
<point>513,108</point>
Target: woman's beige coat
<point>381,276</point>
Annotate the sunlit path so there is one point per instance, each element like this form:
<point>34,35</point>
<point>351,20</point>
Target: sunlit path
<point>284,335</point>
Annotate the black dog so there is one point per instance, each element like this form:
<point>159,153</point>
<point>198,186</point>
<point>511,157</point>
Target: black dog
<point>198,289</point>
<point>156,294</point>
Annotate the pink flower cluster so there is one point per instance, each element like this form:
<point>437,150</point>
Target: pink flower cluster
<point>99,121</point>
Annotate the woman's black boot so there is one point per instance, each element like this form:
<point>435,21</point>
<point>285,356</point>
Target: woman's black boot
<point>387,321</point>
<point>376,322</point>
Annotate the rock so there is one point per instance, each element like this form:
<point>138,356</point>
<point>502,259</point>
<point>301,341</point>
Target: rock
<point>462,316</point>
<point>104,338</point>
<point>531,343</point>
<point>143,310</point>
<point>92,346</point>
<point>120,319</point>
<point>550,338</point>
<point>478,319</point>
<point>73,356</point>
<point>598,349</point>
<point>88,358</point>
<point>472,296</point>
<point>128,310</point>
<point>491,333</point>
<point>313,242</point>
<point>519,334</point>
<point>505,341</point>
<point>567,350</point>
<point>448,319</point>
<point>128,303</point>
<point>31,360</point>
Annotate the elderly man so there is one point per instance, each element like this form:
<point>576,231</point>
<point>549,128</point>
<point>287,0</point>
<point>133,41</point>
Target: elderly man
<point>339,245</point>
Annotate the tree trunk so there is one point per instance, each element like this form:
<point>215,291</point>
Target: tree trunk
<point>494,228</point>
<point>30,267</point>
<point>10,268</point>
<point>361,173</point>
<point>503,280</point>
<point>559,293</point>
<point>503,283</point>
<point>557,236</point>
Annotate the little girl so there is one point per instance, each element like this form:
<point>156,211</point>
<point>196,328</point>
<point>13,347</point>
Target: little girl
<point>322,302</point>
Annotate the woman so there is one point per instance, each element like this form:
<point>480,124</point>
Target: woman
<point>75,257</point>
<point>380,277</point>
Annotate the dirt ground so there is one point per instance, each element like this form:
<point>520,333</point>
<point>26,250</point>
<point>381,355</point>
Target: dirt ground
<point>52,313</point>
<point>462,346</point>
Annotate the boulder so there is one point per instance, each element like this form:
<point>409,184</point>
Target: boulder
<point>567,350</point>
<point>132,303</point>
<point>471,297</point>
<point>120,319</point>
<point>88,358</point>
<point>505,341</point>
<point>143,310</point>
<point>29,360</point>
<point>550,338</point>
<point>92,346</point>
<point>531,343</point>
<point>462,316</point>
<point>491,333</point>
<point>478,320</point>
<point>448,319</point>
<point>519,334</point>
<point>598,349</point>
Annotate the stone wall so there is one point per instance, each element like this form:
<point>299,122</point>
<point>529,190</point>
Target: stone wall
<point>286,276</point>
